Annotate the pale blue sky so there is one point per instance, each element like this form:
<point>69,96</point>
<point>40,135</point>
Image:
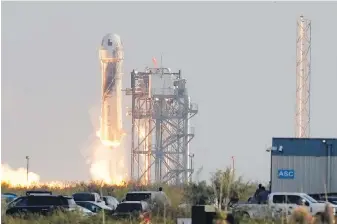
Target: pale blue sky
<point>239,59</point>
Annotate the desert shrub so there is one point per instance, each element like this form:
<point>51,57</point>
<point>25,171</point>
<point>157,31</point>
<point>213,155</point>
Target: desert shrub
<point>301,215</point>
<point>198,193</point>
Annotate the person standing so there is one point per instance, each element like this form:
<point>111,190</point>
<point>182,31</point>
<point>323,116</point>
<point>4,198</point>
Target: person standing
<point>258,190</point>
<point>262,197</point>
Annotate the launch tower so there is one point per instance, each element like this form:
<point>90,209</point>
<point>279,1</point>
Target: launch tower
<point>303,73</point>
<point>161,133</point>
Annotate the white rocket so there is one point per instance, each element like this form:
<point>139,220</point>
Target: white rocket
<point>111,56</point>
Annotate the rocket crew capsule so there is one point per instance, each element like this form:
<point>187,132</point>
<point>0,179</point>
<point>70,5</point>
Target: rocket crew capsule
<point>111,58</point>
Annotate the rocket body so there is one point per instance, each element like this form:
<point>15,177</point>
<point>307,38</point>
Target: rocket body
<point>111,59</point>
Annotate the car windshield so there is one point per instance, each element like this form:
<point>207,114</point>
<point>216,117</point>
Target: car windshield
<point>129,207</point>
<point>14,202</point>
<point>310,199</point>
<point>332,200</point>
<point>137,196</point>
<point>83,197</point>
<point>71,202</point>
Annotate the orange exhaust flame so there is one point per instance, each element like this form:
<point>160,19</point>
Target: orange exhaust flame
<point>18,178</point>
<point>107,143</point>
<point>108,166</point>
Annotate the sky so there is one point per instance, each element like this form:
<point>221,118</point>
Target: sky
<point>239,60</point>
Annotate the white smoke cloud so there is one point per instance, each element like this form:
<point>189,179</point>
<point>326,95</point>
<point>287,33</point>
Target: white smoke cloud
<point>18,176</point>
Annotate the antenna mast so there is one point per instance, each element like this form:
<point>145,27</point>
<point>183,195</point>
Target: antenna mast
<point>303,73</point>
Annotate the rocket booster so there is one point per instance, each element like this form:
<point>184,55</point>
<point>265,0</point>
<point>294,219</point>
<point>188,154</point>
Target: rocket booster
<point>111,58</point>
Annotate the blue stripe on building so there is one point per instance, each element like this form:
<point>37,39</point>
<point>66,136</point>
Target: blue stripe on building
<point>304,147</point>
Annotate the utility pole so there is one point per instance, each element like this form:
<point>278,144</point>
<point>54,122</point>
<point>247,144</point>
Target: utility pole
<point>233,163</point>
<point>27,159</point>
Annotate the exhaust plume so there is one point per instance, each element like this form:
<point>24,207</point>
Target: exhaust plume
<point>17,177</point>
<point>106,163</point>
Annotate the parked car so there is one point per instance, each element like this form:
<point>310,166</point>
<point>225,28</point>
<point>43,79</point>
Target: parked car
<point>8,197</point>
<point>140,195</point>
<point>134,209</point>
<point>42,202</point>
<point>94,206</point>
<point>111,202</point>
<point>280,203</point>
<point>152,197</point>
<point>331,199</point>
<point>88,196</point>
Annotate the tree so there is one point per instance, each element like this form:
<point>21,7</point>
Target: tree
<point>198,193</point>
<point>227,186</point>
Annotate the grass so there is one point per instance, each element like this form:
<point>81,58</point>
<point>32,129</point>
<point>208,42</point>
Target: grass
<point>70,218</point>
<point>74,217</point>
<point>300,216</point>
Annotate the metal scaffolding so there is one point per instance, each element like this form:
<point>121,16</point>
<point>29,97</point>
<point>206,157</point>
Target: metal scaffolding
<point>303,73</point>
<point>161,133</point>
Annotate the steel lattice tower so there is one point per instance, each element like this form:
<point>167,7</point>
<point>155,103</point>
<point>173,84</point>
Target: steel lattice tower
<point>160,127</point>
<point>303,73</point>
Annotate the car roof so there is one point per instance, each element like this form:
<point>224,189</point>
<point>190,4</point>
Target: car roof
<point>9,194</point>
<point>86,193</point>
<point>289,193</point>
<point>54,196</point>
<point>133,202</point>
